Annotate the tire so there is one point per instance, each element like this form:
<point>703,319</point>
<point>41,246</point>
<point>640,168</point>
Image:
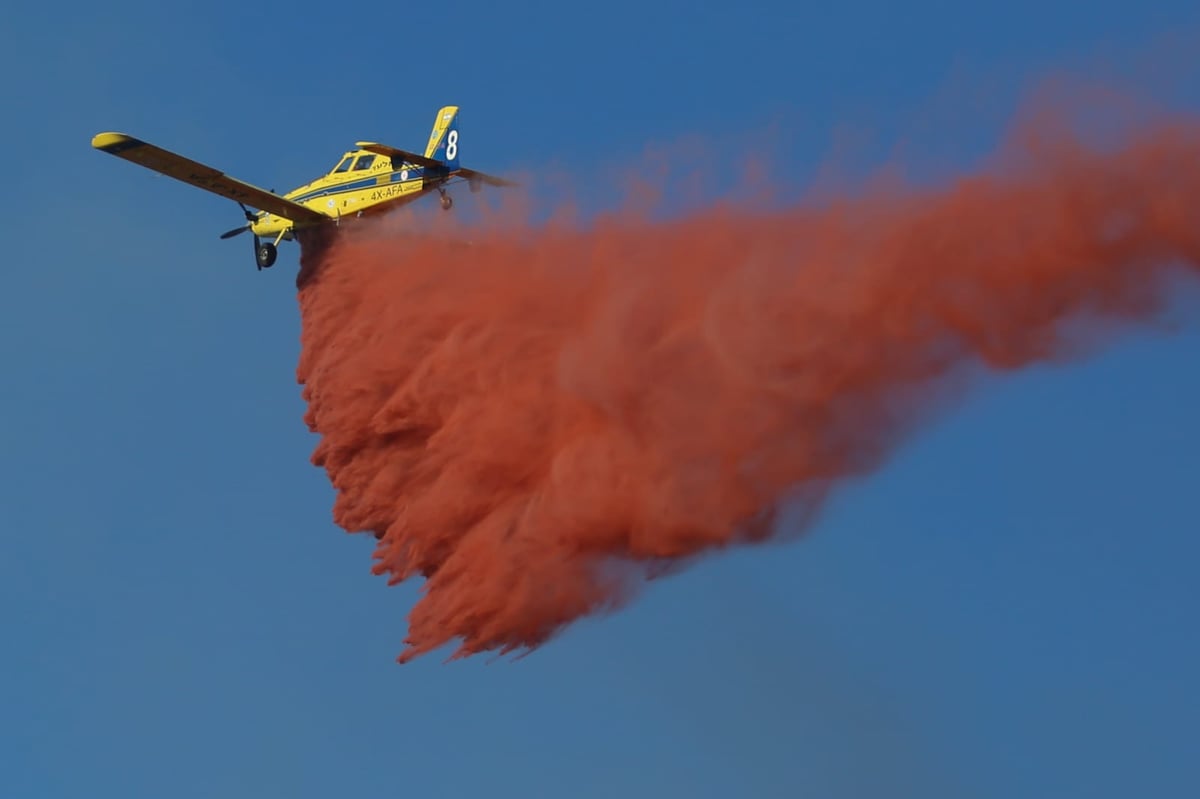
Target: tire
<point>265,255</point>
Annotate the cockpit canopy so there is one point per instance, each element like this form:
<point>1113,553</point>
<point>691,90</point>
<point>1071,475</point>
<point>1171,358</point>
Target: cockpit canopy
<point>353,162</point>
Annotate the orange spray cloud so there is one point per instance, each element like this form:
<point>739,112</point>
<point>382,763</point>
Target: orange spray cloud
<point>529,418</point>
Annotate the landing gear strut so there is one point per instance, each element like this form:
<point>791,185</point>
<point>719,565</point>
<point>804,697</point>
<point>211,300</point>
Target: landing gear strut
<point>265,251</point>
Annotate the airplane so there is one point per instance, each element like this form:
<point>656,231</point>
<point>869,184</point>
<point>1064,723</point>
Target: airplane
<point>367,180</point>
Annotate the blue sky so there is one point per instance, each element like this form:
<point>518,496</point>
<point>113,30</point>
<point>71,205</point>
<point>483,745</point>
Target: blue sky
<point>1006,610</point>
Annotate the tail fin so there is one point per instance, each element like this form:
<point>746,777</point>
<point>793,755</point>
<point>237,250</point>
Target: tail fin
<point>443,141</point>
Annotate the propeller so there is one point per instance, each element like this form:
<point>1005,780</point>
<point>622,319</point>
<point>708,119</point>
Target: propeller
<point>250,217</point>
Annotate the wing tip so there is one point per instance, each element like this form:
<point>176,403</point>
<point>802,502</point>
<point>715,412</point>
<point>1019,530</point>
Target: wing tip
<point>111,142</point>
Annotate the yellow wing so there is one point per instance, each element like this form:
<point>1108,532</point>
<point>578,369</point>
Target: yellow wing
<point>204,177</point>
<point>412,158</point>
<point>399,155</point>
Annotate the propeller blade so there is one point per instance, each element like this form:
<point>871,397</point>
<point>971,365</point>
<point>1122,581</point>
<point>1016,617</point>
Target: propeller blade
<point>236,231</point>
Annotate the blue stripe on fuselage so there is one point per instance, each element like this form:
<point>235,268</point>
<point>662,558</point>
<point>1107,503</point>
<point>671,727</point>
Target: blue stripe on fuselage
<point>414,173</point>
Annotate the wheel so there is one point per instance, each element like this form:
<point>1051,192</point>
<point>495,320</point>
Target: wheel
<point>265,255</point>
<point>447,201</point>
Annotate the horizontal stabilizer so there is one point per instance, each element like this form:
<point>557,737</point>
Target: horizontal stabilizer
<point>471,174</point>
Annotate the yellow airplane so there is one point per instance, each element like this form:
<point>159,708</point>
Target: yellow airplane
<point>368,180</point>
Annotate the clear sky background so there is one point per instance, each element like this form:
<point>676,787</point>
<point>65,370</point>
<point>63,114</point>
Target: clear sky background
<point>1007,610</point>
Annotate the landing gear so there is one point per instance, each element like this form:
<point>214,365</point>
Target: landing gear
<point>447,200</point>
<point>264,254</point>
<point>476,185</point>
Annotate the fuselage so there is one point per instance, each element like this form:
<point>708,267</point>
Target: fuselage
<point>359,183</point>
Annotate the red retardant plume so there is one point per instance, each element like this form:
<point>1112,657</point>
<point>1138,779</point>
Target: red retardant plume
<point>533,417</point>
